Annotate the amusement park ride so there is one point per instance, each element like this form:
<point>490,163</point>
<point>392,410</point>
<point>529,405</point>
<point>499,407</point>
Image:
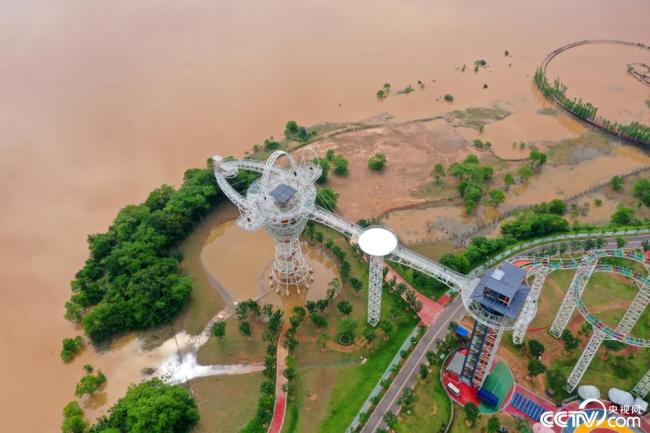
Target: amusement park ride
<point>283,199</point>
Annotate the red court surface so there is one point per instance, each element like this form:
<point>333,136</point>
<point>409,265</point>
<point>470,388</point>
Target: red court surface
<point>467,393</point>
<point>525,392</point>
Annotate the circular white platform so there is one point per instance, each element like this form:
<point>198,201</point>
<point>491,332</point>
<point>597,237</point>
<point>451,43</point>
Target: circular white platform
<point>377,241</point>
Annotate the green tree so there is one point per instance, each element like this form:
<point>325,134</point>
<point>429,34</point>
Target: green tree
<point>439,172</point>
<point>536,348</point>
<point>493,425</point>
<point>71,347</point>
<point>623,215</point>
<point>390,419</point>
<point>219,329</point>
<point>642,191</point>
<point>245,328</point>
<point>537,159</point>
<point>424,371</point>
<point>525,173</point>
<point>497,197</point>
<point>324,164</point>
<point>73,419</point>
<point>327,198</point>
<point>369,334</point>
<point>617,183</point>
<point>386,326</point>
<point>293,131</point>
<point>471,413</point>
<point>620,242</point>
<point>377,161</point>
<point>508,181</point>
<point>90,383</point>
<point>344,307</point>
<point>535,367</point>
<point>356,284</point>
<point>557,206</point>
<point>151,407</point>
<point>571,342</point>
<point>340,165</point>
<point>319,320</point>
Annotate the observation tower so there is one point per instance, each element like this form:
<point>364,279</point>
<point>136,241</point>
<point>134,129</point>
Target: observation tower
<point>496,303</point>
<point>280,201</point>
<point>377,242</point>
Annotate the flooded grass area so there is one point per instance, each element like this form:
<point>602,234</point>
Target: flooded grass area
<point>226,402</point>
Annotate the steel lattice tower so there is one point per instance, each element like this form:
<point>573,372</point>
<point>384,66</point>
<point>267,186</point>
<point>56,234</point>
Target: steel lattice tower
<point>578,284</point>
<point>280,201</point>
<point>377,242</point>
<point>643,387</point>
<point>530,307</point>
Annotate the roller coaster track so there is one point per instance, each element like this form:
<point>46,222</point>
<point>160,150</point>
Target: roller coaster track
<point>595,122</point>
<point>643,281</point>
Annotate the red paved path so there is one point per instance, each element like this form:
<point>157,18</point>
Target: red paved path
<point>280,408</point>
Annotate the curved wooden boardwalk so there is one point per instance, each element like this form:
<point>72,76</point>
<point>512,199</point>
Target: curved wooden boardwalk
<point>596,122</point>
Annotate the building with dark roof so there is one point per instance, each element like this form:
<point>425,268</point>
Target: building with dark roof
<point>503,291</point>
<point>283,194</point>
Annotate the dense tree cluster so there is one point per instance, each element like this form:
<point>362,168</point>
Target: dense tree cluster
<point>293,131</point>
<point>478,251</point>
<point>532,224</point>
<point>151,407</point>
<point>71,346</point>
<point>473,178</point>
<point>131,280</point>
<point>339,162</point>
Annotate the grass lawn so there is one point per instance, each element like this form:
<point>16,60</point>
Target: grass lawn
<point>434,249</point>
<point>226,403</point>
<point>431,409</point>
<point>604,288</point>
<point>642,327</point>
<point>551,296</point>
<point>627,263</point>
<point>333,384</point>
<point>234,347</point>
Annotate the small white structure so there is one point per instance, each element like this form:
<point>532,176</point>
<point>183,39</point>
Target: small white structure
<point>377,242</point>
<point>588,391</point>
<point>620,397</point>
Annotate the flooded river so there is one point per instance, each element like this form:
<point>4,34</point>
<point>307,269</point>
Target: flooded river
<point>102,101</point>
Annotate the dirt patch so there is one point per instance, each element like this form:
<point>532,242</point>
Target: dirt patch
<point>412,150</point>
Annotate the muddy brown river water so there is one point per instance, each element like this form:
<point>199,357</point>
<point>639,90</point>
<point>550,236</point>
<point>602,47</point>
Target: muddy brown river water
<point>102,101</point>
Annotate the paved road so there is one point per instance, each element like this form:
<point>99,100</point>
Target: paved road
<point>408,373</point>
